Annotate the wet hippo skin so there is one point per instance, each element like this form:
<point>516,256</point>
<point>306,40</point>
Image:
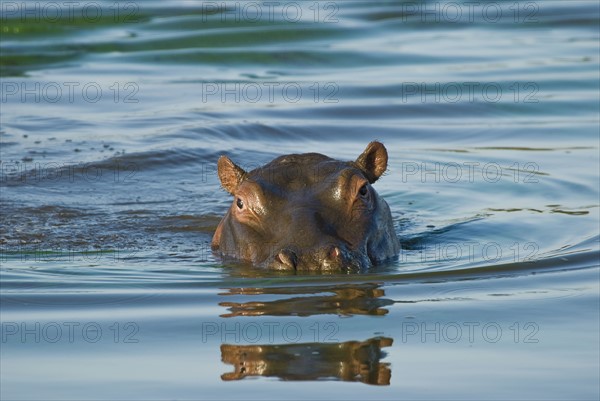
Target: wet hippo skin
<point>307,212</point>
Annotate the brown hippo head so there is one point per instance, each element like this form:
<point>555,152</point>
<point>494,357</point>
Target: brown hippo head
<point>307,212</point>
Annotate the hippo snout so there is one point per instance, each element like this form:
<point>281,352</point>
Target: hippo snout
<point>307,212</point>
<point>324,258</point>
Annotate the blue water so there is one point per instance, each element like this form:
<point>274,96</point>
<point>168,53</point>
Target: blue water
<point>113,116</point>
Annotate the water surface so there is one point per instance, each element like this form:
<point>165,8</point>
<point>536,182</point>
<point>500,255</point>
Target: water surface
<point>114,114</point>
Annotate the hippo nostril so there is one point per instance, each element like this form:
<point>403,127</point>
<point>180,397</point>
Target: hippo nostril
<point>287,258</point>
<point>334,253</point>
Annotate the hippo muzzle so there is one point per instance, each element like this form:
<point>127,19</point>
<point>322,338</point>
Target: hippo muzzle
<point>307,212</point>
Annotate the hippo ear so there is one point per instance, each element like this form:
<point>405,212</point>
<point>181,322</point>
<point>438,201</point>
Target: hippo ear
<point>230,174</point>
<point>373,161</point>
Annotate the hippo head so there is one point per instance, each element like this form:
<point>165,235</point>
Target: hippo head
<point>307,212</point>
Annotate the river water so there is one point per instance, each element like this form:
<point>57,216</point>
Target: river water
<point>114,114</point>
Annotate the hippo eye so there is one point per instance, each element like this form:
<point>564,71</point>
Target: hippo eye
<point>240,203</point>
<point>363,191</point>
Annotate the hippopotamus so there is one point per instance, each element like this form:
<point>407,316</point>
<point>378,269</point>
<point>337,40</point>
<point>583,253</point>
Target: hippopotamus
<point>307,212</point>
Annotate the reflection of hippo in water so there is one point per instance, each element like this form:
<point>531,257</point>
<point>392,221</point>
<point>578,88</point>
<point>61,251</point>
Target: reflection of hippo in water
<point>307,212</point>
<point>347,361</point>
<point>308,300</point>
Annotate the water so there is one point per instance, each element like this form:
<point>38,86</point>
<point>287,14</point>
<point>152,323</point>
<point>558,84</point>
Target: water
<point>111,127</point>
